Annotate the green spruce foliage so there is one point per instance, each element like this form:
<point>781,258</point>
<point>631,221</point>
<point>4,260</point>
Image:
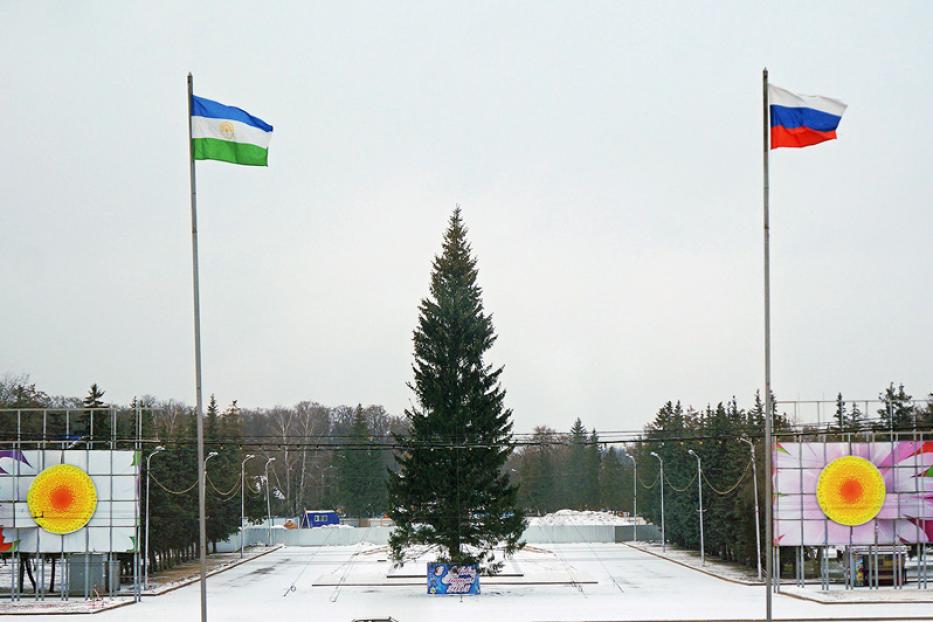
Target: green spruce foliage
<point>99,431</point>
<point>898,412</point>
<point>452,490</point>
<point>360,471</point>
<point>94,395</point>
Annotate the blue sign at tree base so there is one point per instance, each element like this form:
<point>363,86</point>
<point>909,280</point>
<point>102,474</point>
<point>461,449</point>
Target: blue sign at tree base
<point>453,579</point>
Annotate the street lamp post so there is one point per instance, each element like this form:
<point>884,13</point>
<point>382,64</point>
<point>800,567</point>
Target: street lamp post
<point>323,473</point>
<point>148,458</point>
<point>751,447</point>
<point>634,497</point>
<point>700,511</point>
<point>663,538</point>
<point>243,499</point>
<point>268,500</point>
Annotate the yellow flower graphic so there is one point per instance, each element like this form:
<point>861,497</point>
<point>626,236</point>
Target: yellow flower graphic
<point>62,499</point>
<point>850,490</point>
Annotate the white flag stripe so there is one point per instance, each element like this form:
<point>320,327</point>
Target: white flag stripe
<point>783,97</point>
<point>230,131</point>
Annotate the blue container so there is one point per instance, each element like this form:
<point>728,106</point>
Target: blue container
<point>319,518</point>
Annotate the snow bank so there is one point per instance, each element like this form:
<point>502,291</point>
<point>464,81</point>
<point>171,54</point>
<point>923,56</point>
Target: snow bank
<point>580,517</point>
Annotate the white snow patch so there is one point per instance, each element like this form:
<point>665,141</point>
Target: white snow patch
<point>582,517</point>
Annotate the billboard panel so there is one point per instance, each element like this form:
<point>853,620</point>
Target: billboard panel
<point>853,493</point>
<point>68,501</point>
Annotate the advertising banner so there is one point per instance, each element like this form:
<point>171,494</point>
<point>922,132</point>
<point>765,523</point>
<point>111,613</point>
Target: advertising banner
<point>452,579</point>
<point>68,501</point>
<point>853,493</point>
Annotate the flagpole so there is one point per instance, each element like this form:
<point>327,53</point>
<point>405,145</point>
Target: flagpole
<point>769,540</point>
<point>202,525</point>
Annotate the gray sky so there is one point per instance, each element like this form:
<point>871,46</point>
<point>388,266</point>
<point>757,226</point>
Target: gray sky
<point>607,156</point>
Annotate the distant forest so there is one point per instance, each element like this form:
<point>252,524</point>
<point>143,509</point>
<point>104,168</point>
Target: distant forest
<point>339,456</point>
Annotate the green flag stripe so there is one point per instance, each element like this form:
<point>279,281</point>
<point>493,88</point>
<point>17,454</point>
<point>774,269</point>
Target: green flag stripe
<point>237,153</point>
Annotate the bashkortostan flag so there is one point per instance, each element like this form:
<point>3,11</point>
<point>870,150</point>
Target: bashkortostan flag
<point>220,132</point>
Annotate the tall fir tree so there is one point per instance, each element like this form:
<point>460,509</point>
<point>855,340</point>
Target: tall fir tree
<point>538,490</point>
<point>360,472</point>
<point>613,485</point>
<point>590,483</point>
<point>94,395</point>
<point>99,426</point>
<point>451,490</point>
<point>573,476</point>
<point>841,416</point>
<point>856,418</point>
<point>214,470</point>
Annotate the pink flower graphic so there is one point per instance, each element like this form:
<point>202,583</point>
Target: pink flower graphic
<point>905,517</point>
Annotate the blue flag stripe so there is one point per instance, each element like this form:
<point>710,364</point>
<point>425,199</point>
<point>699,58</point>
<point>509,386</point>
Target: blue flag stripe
<point>785,116</point>
<point>202,107</point>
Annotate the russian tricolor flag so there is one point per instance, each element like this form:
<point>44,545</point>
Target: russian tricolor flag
<point>802,120</point>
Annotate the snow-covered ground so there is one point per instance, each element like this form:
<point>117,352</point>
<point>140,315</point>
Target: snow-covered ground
<point>315,583</point>
<point>160,583</point>
<point>581,517</point>
<point>727,570</point>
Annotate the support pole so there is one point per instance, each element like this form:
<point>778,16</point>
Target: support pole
<point>148,475</point>
<point>751,447</point>
<point>202,492</point>
<point>769,539</point>
<point>243,501</point>
<point>635,498</point>
<point>661,481</point>
<point>700,507</point>
<point>269,499</point>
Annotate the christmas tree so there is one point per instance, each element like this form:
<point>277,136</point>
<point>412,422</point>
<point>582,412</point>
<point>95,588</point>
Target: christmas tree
<point>451,490</point>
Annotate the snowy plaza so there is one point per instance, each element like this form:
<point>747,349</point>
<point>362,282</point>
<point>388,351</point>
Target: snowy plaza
<point>591,582</point>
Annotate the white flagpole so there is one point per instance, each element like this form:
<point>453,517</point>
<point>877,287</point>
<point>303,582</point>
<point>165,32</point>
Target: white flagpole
<point>769,540</point>
<point>202,524</point>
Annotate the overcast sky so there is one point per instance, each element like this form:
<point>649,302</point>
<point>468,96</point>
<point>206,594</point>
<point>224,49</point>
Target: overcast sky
<point>607,156</point>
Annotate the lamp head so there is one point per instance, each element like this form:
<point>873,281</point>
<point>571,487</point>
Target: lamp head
<point>692,453</point>
<point>212,454</point>
<point>655,455</point>
<point>158,448</point>
<point>250,456</point>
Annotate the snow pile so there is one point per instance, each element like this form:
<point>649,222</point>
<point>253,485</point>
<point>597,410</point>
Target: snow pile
<point>578,517</point>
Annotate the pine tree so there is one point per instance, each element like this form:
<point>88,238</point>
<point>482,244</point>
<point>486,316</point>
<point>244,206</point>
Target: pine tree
<point>926,415</point>
<point>213,471</point>
<point>360,473</point>
<point>451,490</point>
<point>93,397</point>
<point>841,417</point>
<point>98,420</point>
<point>573,480</point>
<point>856,418</point>
<point>537,472</point>
<point>590,483</point>
<point>612,482</point>
<point>898,411</point>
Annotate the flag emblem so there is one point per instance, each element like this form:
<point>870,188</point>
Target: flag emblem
<point>226,128</point>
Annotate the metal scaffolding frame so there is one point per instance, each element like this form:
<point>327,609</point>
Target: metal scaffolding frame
<point>865,558</point>
<point>46,429</point>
